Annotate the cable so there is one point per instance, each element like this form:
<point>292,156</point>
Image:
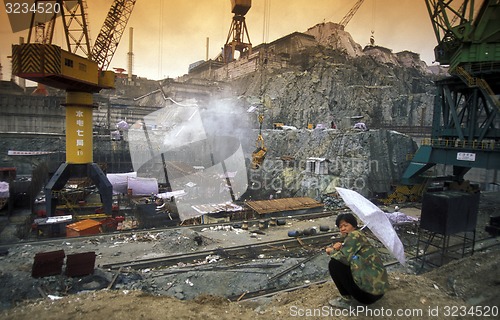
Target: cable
<point>266,22</point>
<point>372,37</point>
<point>160,41</point>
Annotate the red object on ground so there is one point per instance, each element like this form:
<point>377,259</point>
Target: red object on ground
<point>48,264</point>
<point>41,213</point>
<point>80,264</point>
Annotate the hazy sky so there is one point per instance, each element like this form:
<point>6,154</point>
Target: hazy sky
<point>171,34</point>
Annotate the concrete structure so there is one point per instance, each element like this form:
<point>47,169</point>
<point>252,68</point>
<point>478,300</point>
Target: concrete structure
<point>317,165</point>
<point>45,116</point>
<point>276,54</point>
<point>31,114</point>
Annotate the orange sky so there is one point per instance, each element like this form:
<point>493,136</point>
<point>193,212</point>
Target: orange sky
<point>171,34</point>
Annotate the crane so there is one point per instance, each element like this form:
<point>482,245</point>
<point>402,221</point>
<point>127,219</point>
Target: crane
<point>80,76</point>
<point>466,122</point>
<point>345,20</point>
<point>237,38</point>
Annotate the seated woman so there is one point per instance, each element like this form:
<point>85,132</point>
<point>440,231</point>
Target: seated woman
<point>355,266</point>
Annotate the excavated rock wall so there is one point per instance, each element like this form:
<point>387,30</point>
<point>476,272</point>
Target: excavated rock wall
<point>325,86</point>
<point>368,162</point>
<point>337,80</point>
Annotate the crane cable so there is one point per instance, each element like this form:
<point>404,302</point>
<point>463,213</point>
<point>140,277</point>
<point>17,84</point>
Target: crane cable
<point>267,18</point>
<point>372,37</point>
<point>160,41</point>
<point>259,143</point>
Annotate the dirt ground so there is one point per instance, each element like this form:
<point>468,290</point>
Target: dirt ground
<point>467,288</point>
<point>453,289</point>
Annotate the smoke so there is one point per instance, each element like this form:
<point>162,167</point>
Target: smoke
<point>196,148</point>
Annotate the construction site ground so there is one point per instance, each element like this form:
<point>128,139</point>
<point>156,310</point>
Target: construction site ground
<point>220,286</point>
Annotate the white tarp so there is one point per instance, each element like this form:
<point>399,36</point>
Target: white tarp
<point>215,208</point>
<point>398,218</point>
<point>53,220</point>
<point>4,189</point>
<point>143,186</point>
<point>119,181</point>
<point>122,125</point>
<point>175,194</point>
<point>375,219</point>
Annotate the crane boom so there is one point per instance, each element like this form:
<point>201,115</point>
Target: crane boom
<point>76,30</point>
<point>112,30</point>
<point>464,34</point>
<point>75,24</point>
<point>345,20</point>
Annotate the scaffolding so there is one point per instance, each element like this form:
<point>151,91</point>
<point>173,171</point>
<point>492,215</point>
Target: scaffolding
<point>436,249</point>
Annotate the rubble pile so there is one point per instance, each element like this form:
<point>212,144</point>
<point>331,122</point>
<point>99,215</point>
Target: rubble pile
<point>332,202</point>
<point>217,274</point>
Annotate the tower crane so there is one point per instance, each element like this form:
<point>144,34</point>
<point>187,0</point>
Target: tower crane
<point>466,122</point>
<point>80,76</point>
<point>237,38</point>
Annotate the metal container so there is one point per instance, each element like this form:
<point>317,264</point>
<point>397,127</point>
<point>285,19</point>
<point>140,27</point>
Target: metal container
<point>48,264</point>
<point>272,222</point>
<point>244,225</point>
<point>240,7</point>
<point>80,264</point>
<point>263,224</point>
<point>294,233</point>
<point>280,222</point>
<point>449,212</point>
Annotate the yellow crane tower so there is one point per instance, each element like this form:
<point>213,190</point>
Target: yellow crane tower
<point>41,61</point>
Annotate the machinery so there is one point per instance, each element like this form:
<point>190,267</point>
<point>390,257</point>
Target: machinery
<point>259,154</point>
<point>41,61</point>
<point>466,122</point>
<point>237,38</point>
<point>345,20</point>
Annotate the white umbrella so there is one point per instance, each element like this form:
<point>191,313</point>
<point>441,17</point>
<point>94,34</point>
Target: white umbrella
<point>376,220</point>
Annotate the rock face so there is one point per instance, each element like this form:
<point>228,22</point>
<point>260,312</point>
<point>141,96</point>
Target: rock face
<point>338,79</point>
<point>314,162</point>
<point>326,86</point>
<point>333,36</point>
